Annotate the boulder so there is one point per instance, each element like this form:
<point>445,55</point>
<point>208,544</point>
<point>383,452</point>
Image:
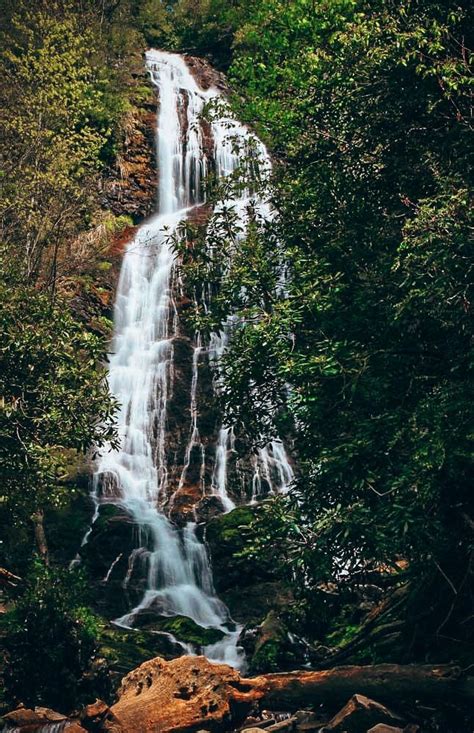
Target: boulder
<point>25,720</point>
<point>127,649</point>
<point>283,726</point>
<point>182,627</point>
<point>225,537</point>
<point>359,714</point>
<point>208,508</point>
<point>22,717</point>
<point>93,716</point>
<point>307,721</point>
<point>271,648</point>
<point>250,604</point>
<point>185,694</point>
<point>383,728</point>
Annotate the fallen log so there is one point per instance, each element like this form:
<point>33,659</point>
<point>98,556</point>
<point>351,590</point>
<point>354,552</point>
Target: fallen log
<point>443,685</point>
<point>188,693</point>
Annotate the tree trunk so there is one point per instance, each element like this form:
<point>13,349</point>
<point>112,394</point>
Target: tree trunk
<point>40,537</point>
<point>443,684</point>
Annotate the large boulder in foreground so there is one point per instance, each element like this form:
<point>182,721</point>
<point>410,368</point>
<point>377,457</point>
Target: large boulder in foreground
<point>185,694</point>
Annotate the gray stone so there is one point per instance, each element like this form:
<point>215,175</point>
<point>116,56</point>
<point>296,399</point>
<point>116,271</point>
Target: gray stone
<point>283,726</point>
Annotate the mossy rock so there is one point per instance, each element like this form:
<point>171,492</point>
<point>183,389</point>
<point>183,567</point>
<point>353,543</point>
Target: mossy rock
<point>125,650</point>
<point>184,629</point>
<point>274,650</point>
<point>111,540</point>
<point>226,536</point>
<point>249,605</point>
<point>66,526</point>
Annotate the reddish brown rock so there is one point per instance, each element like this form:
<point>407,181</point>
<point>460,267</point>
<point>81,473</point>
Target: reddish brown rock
<point>205,74</point>
<point>181,695</point>
<point>94,716</point>
<point>359,714</point>
<point>25,720</point>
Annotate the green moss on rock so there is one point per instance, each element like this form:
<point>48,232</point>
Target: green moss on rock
<point>125,650</point>
<point>187,630</point>
<point>226,536</point>
<point>184,629</point>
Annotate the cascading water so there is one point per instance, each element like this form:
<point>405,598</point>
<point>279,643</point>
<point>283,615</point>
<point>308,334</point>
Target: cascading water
<point>136,476</point>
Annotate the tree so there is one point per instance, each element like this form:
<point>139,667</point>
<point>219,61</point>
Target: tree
<point>54,397</point>
<point>367,108</point>
<point>50,623</point>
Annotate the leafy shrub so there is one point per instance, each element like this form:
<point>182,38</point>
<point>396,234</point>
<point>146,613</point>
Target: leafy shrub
<point>51,640</point>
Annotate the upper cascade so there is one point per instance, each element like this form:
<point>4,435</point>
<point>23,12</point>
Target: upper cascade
<point>176,456</point>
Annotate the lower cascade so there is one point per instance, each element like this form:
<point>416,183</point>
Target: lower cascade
<point>170,460</point>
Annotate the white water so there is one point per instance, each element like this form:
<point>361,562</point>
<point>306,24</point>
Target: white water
<point>136,476</point>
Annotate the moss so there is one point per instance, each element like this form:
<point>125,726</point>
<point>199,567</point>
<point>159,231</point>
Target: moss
<point>266,659</point>
<point>274,650</point>
<point>126,650</point>
<point>226,536</point>
<point>65,526</point>
<point>343,635</point>
<point>188,631</point>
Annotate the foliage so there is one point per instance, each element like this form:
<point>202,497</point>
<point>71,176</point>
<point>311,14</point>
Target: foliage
<point>51,640</point>
<point>367,108</point>
<point>54,396</point>
<point>56,123</point>
<point>206,27</point>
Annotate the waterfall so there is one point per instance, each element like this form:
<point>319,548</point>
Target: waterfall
<point>139,476</point>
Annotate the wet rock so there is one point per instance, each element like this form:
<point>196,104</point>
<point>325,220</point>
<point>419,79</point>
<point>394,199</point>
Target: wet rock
<point>283,726</point>
<point>261,724</point>
<point>183,628</point>
<point>184,501</point>
<point>113,562</point>
<point>225,536</point>
<point>132,184</point>
<point>383,728</point>
<point>359,714</point>
<point>251,604</point>
<point>65,526</point>
<point>125,650</point>
<point>308,721</point>
<point>273,648</point>
<point>205,74</point>
<point>208,508</point>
